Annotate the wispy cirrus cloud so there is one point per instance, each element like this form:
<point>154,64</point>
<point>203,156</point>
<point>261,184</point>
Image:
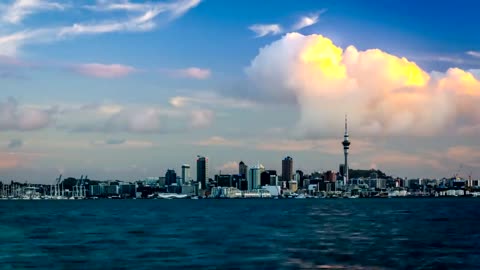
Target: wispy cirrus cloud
<point>107,71</point>
<point>309,20</point>
<point>189,73</point>
<point>176,9</point>
<point>262,30</point>
<point>141,17</point>
<point>123,143</point>
<point>18,10</point>
<point>475,54</point>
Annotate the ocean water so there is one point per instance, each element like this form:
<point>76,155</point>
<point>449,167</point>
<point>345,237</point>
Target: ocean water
<point>241,234</point>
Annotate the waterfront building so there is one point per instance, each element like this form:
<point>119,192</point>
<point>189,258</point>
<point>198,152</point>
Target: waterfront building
<point>161,181</point>
<point>97,190</point>
<point>127,190</point>
<point>224,180</point>
<point>185,174</point>
<point>188,190</point>
<point>330,176</point>
<point>254,176</point>
<point>293,186</point>
<point>242,169</point>
<point>346,147</point>
<point>112,190</point>
<point>287,169</point>
<point>170,177</point>
<point>273,190</point>
<point>299,177</point>
<point>266,177</point>
<point>274,180</point>
<point>202,171</point>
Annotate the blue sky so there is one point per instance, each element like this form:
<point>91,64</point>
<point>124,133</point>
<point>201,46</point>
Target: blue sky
<point>126,89</point>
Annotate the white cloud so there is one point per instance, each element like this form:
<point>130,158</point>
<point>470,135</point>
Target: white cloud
<point>201,118</point>
<point>103,70</point>
<point>210,99</point>
<point>191,72</point>
<point>23,118</point>
<point>262,30</point>
<point>229,167</point>
<point>382,93</point>
<point>219,141</point>
<point>19,9</point>
<point>141,17</point>
<point>474,54</point>
<point>176,8</point>
<point>110,118</point>
<point>306,21</point>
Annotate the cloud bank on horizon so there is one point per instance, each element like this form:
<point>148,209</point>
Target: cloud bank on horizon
<point>381,93</point>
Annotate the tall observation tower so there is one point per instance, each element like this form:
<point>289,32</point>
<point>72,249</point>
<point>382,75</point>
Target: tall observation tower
<point>346,146</point>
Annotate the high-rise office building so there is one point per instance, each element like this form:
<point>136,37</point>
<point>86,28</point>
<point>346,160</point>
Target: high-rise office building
<point>185,173</point>
<point>254,176</point>
<point>266,177</point>
<point>170,177</point>
<point>287,169</point>
<point>202,171</point>
<point>242,169</point>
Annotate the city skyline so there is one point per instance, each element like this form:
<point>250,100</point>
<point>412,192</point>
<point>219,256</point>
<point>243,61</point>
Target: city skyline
<point>125,89</point>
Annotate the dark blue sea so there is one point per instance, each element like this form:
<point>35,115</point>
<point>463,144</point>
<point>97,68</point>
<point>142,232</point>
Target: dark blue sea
<point>241,234</point>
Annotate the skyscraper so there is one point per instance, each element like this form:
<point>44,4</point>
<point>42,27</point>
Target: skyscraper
<point>170,177</point>
<point>242,169</point>
<point>346,146</point>
<point>287,169</point>
<point>185,173</point>
<point>254,176</point>
<point>202,171</point>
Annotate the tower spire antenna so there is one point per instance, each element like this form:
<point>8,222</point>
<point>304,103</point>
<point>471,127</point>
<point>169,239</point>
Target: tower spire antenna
<point>346,147</point>
<point>346,124</point>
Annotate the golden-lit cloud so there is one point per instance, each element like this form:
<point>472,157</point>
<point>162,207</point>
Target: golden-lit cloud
<point>383,94</point>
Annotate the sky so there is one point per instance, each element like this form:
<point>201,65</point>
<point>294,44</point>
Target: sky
<point>125,89</point>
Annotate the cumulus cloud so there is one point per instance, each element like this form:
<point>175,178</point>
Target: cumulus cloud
<point>382,93</point>
<point>262,30</point>
<point>191,73</point>
<point>229,167</point>
<point>19,9</point>
<point>23,118</point>
<point>103,70</point>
